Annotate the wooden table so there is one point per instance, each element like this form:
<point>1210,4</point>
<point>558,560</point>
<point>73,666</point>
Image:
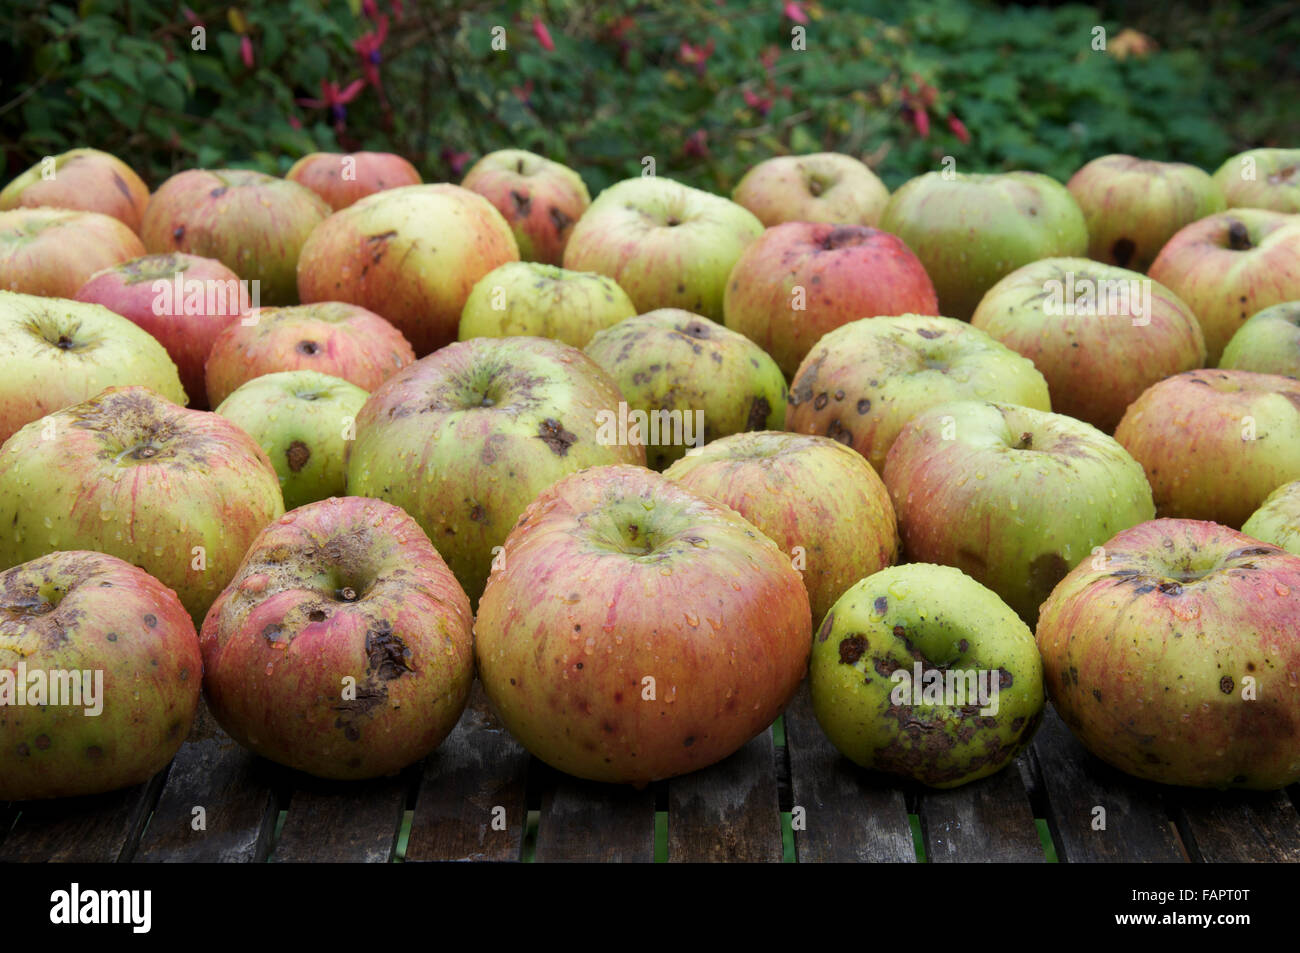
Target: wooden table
<point>481,797</point>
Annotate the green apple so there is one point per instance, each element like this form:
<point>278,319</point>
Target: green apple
<point>1133,206</point>
<point>1277,521</point>
<point>304,421</point>
<point>1262,178</point>
<point>666,244</point>
<point>972,230</point>
<point>1013,497</point>
<point>1100,335</point>
<point>816,498</point>
<point>529,299</point>
<point>691,379</point>
<point>863,381</point>
<point>922,672</point>
<point>1268,343</point>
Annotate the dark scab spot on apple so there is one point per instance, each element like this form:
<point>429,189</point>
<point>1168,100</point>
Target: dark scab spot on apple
<point>316,615</point>
<point>351,732</point>
<point>820,401</point>
<point>23,750</point>
<point>1253,551</point>
<point>881,605</point>
<point>1170,588</point>
<point>523,203</point>
<point>826,626</point>
<point>759,411</point>
<point>844,235</point>
<point>555,436</point>
<point>43,742</point>
<point>297,454</point>
<point>121,186</point>
<point>1143,589</point>
<point>864,405</point>
<point>851,649</point>
<point>1238,236</point>
<point>219,191</point>
<point>387,654</point>
<point>112,636</point>
<point>151,620</point>
<point>929,333</point>
<point>963,646</point>
<point>559,219</point>
<point>1096,693</point>
<point>184,675</point>
<point>697,330</point>
<point>1004,678</point>
<point>1122,251</point>
<point>688,741</point>
<point>94,752</point>
<point>272,633</point>
<point>1226,685</point>
<point>178,234</point>
<point>477,513</point>
<point>1047,570</point>
<point>837,431</point>
<point>839,395</point>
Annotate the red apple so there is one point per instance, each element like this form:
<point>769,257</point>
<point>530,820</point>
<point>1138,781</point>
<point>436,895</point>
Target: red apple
<point>342,340</point>
<point>411,255</point>
<point>799,280</point>
<point>52,252</point>
<point>341,178</point>
<point>1174,655</point>
<point>252,223</point>
<point>182,300</point>
<point>638,631</point>
<point>1215,443</point>
<point>342,646</point>
<point>540,199</point>
<point>85,180</point>
<point>1229,266</point>
<point>1262,178</point>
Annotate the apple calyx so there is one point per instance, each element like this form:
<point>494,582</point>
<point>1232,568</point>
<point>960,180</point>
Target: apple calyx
<point>1239,236</point>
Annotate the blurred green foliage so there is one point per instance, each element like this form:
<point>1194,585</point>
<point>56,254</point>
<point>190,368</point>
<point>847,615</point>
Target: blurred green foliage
<point>706,87</point>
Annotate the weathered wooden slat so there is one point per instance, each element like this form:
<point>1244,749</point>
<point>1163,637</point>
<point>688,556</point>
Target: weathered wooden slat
<point>234,788</point>
<point>851,815</point>
<point>343,821</point>
<point>471,803</point>
<point>729,811</point>
<point>583,821</point>
<point>986,821</point>
<point>1238,826</point>
<point>7,814</point>
<point>103,828</point>
<point>1137,824</point>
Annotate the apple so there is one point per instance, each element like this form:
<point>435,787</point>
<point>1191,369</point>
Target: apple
<point>411,255</point>
<point>1215,443</point>
<point>666,244</point>
<point>1099,334</point>
<point>1277,521</point>
<point>972,230</point>
<point>342,178</point>
<point>920,671</point>
<point>304,421</point>
<point>342,647</point>
<point>1133,206</point>
<point>815,498</point>
<point>540,199</point>
<point>55,353</point>
<point>99,676</point>
<point>86,180</point>
<point>465,438</point>
<point>1174,656</point>
<point>1229,266</point>
<point>329,337</point>
<point>638,631</point>
<point>179,493</point>
<point>528,299</point>
<point>1262,178</point>
<point>863,381</point>
<point>51,252</point>
<point>820,187</point>
<point>254,224</point>
<point>692,379</point>
<point>183,301</point>
<point>1268,343</point>
<point>1011,496</point>
<point>800,280</point>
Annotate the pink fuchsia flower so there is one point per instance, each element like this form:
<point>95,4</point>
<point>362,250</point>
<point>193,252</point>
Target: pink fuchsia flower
<point>959,129</point>
<point>191,17</point>
<point>335,99</point>
<point>367,46</point>
<point>795,11</point>
<point>763,104</point>
<point>524,93</point>
<point>697,144</point>
<point>768,57</point>
<point>246,50</point>
<point>697,56</point>
<point>543,35</point>
<point>921,119</point>
<point>456,160</point>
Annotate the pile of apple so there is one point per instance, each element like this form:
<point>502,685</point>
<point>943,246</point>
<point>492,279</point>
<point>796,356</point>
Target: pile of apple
<point>328,447</point>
